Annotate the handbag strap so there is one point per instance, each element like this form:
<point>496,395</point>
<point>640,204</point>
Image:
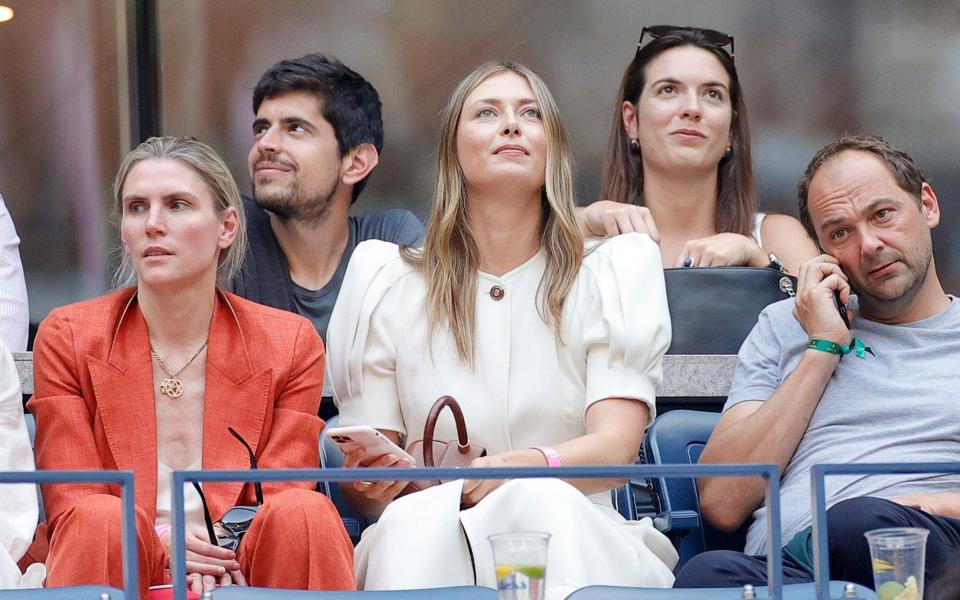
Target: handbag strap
<point>463,440</point>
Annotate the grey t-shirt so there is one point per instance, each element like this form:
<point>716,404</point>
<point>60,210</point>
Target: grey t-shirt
<point>394,225</point>
<point>902,405</point>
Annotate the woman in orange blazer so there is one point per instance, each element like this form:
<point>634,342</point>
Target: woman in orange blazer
<point>149,377</point>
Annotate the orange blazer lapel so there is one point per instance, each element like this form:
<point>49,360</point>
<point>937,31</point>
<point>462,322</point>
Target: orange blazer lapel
<point>236,396</point>
<point>123,386</point>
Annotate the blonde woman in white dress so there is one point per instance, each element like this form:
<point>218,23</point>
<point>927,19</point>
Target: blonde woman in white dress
<point>552,350</point>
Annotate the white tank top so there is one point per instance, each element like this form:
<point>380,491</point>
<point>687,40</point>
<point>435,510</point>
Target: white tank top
<point>193,506</point>
<point>757,225</point>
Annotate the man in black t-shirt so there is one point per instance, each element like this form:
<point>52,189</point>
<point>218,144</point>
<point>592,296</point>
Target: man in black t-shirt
<point>318,133</point>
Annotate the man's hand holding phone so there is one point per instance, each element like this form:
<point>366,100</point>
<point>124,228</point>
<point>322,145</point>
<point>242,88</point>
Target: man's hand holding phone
<point>821,283</point>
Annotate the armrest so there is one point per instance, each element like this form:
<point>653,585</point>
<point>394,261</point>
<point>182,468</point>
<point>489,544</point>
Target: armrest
<point>677,522</point>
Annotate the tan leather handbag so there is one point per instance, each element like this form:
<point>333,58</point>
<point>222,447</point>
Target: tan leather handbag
<point>429,452</point>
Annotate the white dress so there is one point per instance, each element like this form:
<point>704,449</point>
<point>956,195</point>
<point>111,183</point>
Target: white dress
<point>526,390</point>
<point>18,518</point>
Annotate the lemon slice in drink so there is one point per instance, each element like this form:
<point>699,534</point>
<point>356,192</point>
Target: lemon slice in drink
<point>503,571</point>
<point>910,591</point>
<point>880,565</point>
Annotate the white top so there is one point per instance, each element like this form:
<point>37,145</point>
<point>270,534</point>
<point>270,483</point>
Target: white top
<point>18,519</point>
<point>193,506</point>
<point>757,226</point>
<point>14,312</point>
<point>526,390</point>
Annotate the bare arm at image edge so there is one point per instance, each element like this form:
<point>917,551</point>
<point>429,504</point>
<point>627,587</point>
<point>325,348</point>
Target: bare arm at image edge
<point>14,310</point>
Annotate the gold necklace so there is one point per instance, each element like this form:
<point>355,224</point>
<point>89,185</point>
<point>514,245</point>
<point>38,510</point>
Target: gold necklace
<point>171,386</point>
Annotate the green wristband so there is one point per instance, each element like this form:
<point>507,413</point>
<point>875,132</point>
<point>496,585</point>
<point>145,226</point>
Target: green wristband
<point>856,346</point>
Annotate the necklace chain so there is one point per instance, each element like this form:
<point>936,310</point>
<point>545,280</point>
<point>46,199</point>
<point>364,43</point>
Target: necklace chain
<point>172,386</point>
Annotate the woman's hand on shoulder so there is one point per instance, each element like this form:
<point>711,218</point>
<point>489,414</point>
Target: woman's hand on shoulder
<point>379,491</point>
<point>785,236</point>
<point>605,218</point>
<point>722,250</point>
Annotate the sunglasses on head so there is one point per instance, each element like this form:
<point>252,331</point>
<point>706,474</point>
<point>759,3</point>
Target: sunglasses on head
<point>717,39</point>
<point>236,520</point>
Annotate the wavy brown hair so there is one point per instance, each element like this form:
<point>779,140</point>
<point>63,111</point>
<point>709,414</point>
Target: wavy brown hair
<point>450,256</point>
<point>622,179</point>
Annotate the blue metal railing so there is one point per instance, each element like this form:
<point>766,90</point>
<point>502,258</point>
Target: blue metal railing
<point>128,524</point>
<point>767,472</point>
<point>818,475</point>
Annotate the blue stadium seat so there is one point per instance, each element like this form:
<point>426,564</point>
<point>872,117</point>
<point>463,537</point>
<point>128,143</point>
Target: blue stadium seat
<point>678,437</point>
<point>449,593</point>
<point>80,592</point>
<point>796,591</point>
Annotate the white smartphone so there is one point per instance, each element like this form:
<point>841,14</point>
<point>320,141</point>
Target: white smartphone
<point>375,443</point>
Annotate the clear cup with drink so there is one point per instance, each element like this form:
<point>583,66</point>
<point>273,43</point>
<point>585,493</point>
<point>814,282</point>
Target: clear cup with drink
<point>897,555</point>
<point>521,564</point>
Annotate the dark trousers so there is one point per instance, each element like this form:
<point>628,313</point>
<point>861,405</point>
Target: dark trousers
<point>847,521</point>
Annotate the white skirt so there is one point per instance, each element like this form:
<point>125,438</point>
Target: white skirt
<point>424,540</point>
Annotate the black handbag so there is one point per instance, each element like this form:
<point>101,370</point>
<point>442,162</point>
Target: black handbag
<point>713,309</point>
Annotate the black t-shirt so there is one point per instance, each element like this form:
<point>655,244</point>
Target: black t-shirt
<point>394,225</point>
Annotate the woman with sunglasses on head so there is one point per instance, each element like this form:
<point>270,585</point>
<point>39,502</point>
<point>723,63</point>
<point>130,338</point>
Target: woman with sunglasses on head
<point>156,376</point>
<point>503,310</point>
<point>678,164</point>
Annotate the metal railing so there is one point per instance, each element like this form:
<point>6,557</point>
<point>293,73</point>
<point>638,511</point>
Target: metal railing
<point>818,475</point>
<point>767,472</point>
<point>128,523</point>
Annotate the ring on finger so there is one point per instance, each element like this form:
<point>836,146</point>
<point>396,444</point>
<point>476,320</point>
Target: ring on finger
<point>689,262</point>
<point>366,482</point>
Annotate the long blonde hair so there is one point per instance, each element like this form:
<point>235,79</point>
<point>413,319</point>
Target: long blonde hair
<point>450,256</point>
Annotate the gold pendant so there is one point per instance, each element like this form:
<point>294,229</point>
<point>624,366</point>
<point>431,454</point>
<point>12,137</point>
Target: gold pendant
<point>172,387</point>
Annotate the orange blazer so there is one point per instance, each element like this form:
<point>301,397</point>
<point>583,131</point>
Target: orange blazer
<point>94,397</point>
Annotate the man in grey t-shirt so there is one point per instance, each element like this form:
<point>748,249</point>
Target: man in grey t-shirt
<point>891,398</point>
<point>318,134</point>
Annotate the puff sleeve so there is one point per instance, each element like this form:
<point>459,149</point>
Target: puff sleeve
<point>624,324</point>
<point>362,338</point>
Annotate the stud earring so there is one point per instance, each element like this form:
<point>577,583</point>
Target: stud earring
<point>634,146</point>
<point>727,155</point>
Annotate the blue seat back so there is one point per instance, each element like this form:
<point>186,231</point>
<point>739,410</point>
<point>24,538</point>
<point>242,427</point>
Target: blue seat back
<point>448,593</point>
<point>77,592</point>
<point>678,437</point>
<point>794,591</point>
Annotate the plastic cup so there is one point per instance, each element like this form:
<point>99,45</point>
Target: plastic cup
<point>898,558</point>
<point>521,563</point>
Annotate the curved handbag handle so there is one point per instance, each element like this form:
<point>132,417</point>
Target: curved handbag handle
<point>463,440</point>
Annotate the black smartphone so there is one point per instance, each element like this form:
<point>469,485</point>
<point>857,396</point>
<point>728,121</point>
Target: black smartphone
<point>841,308</point>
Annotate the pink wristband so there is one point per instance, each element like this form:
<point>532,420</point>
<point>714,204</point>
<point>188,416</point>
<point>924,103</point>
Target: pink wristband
<point>552,456</point>
<point>162,529</point>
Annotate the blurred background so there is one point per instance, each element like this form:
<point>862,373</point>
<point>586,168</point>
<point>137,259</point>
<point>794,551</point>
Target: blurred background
<point>811,71</point>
